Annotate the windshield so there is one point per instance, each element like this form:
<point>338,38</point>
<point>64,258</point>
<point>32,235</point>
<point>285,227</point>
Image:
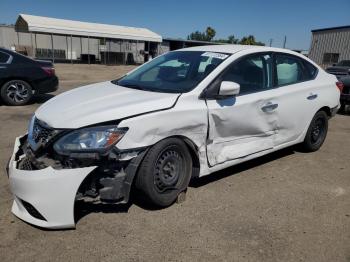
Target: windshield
<point>174,72</point>
<point>344,63</point>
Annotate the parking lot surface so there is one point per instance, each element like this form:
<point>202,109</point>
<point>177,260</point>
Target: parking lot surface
<point>287,206</point>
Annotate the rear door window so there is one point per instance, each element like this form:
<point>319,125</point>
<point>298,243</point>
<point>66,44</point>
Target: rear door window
<point>291,69</point>
<point>288,69</point>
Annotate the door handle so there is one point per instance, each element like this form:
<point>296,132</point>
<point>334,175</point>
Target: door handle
<point>269,107</point>
<point>312,96</point>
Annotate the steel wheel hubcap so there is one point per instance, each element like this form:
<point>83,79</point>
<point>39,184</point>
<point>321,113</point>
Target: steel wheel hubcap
<point>17,92</point>
<point>317,130</point>
<point>168,169</point>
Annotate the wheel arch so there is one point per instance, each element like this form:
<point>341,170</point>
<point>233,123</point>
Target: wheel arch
<point>193,150</point>
<point>5,80</point>
<point>326,109</point>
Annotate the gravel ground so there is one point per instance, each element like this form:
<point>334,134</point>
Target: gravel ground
<point>287,206</point>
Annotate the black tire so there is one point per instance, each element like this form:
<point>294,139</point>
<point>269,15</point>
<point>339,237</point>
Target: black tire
<point>317,132</point>
<point>16,93</point>
<point>165,172</point>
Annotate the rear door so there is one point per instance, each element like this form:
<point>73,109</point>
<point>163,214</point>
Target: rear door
<point>248,123</point>
<point>298,95</point>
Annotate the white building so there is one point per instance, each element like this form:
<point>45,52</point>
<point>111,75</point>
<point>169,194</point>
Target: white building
<point>67,40</point>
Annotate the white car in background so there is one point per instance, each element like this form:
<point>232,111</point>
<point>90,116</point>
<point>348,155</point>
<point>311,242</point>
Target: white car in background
<point>184,114</point>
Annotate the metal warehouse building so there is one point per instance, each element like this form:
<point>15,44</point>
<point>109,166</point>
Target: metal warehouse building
<point>330,45</point>
<point>63,40</point>
<point>67,40</point>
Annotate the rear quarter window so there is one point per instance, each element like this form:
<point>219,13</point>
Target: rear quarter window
<point>4,57</point>
<point>310,70</point>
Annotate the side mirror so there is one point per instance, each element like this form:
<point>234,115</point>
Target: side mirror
<point>228,88</point>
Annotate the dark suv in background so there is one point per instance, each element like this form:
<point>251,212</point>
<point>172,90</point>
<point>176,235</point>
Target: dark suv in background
<point>342,71</point>
<point>21,77</point>
<point>345,95</point>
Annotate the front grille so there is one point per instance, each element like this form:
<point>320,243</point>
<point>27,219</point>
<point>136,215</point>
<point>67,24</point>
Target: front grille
<point>41,133</point>
<point>25,164</point>
<point>32,210</point>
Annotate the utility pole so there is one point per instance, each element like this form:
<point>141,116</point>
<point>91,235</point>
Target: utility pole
<point>284,41</point>
<point>271,42</point>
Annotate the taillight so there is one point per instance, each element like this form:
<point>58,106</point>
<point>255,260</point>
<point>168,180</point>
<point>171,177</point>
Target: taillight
<point>340,86</point>
<point>50,71</point>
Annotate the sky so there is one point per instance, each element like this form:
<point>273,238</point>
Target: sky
<point>265,19</point>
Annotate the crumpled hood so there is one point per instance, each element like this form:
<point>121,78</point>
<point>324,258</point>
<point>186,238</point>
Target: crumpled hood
<point>100,102</point>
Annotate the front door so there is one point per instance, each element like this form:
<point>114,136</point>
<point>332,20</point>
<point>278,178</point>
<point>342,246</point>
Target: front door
<point>248,123</point>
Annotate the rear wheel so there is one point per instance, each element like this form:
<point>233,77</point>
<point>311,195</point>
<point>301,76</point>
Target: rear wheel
<point>317,132</point>
<point>16,92</point>
<point>165,172</point>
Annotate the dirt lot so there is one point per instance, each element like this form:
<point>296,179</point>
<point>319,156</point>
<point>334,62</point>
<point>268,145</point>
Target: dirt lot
<point>288,206</point>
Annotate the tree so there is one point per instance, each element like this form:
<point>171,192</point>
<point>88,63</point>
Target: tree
<point>210,33</point>
<point>250,40</point>
<point>199,36</point>
<point>232,40</point>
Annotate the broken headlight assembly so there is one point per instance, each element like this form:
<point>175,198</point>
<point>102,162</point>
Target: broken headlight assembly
<point>92,139</point>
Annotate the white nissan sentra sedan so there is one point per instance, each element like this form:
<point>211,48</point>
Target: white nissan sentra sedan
<point>185,114</point>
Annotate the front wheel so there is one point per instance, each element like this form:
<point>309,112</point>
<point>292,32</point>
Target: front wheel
<point>16,92</point>
<point>317,132</point>
<point>165,172</point>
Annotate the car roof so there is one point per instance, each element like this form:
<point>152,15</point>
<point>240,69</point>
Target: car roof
<point>231,49</point>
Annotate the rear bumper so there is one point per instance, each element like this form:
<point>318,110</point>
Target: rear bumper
<point>45,197</point>
<point>47,86</point>
<point>334,110</point>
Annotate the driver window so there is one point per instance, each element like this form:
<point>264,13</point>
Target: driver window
<point>252,73</point>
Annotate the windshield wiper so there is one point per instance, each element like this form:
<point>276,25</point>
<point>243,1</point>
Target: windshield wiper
<point>134,86</point>
<point>147,88</point>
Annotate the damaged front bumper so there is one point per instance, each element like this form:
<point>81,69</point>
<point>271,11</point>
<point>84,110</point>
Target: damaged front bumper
<point>45,197</point>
